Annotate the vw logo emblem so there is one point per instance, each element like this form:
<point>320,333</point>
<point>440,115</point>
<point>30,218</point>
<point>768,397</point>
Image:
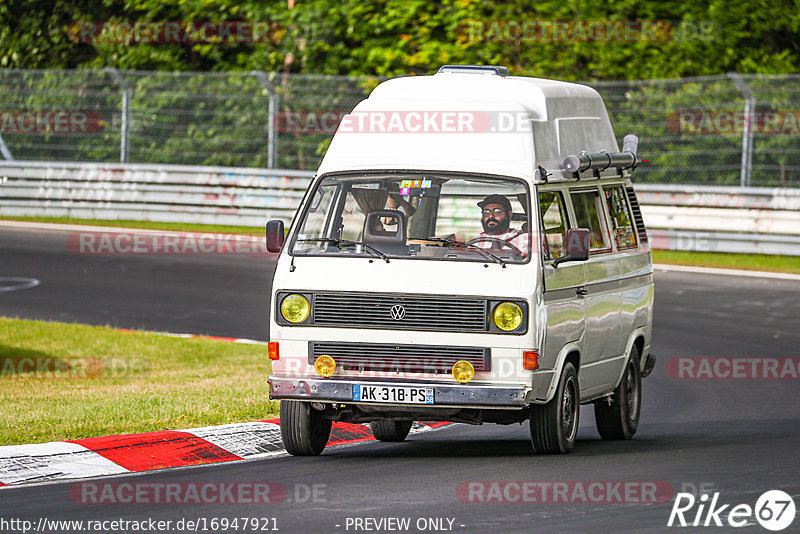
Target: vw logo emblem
<point>397,312</point>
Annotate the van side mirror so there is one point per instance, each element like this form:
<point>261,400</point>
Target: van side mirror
<point>578,240</point>
<point>275,235</point>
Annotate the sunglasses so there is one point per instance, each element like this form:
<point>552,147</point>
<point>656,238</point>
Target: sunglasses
<point>495,211</point>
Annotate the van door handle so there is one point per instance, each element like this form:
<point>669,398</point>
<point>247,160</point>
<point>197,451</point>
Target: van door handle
<point>581,291</point>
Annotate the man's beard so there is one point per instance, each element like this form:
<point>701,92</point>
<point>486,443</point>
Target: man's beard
<point>502,226</point>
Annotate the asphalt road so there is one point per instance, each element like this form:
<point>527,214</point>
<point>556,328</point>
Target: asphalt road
<point>738,437</point>
<point>212,294</point>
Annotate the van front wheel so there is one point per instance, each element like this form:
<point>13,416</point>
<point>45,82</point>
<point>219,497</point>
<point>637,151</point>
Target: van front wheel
<point>304,430</point>
<point>554,425</point>
<point>390,430</point>
<point>619,419</point>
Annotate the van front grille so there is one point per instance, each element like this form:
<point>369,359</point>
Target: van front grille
<point>390,357</point>
<point>400,312</point>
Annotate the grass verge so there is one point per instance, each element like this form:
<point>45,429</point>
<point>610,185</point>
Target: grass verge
<point>148,225</point>
<point>66,381</point>
<point>752,262</point>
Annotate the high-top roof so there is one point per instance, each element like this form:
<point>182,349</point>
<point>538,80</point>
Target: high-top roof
<point>511,124</point>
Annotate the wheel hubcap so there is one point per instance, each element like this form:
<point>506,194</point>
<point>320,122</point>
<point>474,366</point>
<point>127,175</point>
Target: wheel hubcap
<point>568,409</point>
<point>631,392</point>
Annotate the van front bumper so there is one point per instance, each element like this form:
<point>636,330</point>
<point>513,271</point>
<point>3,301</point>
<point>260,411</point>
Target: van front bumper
<point>445,395</point>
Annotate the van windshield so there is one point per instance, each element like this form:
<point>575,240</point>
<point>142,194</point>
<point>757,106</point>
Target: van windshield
<point>426,216</point>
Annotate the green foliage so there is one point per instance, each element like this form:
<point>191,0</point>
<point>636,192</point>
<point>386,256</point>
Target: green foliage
<point>391,37</point>
<point>221,117</point>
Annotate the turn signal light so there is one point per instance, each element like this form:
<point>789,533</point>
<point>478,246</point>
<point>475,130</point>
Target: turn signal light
<point>530,360</point>
<point>273,351</point>
<point>325,365</point>
<point>463,371</point>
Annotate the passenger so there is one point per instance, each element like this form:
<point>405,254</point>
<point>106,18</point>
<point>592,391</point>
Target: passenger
<point>395,201</point>
<point>497,232</point>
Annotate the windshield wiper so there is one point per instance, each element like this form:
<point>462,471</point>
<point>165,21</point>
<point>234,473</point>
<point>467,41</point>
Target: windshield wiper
<point>451,242</point>
<point>346,242</point>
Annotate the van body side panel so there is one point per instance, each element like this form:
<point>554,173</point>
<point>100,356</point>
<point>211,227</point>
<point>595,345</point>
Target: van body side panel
<point>564,310</point>
<point>637,284</point>
<point>599,367</point>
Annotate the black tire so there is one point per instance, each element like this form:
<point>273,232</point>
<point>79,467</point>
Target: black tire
<point>554,426</point>
<point>390,430</point>
<point>620,419</point>
<point>304,430</point>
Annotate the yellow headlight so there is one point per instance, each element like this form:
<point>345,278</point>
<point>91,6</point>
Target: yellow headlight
<point>325,365</point>
<point>295,308</point>
<point>507,316</point>
<point>463,371</point>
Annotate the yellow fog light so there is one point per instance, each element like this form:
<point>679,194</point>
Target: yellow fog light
<point>463,371</point>
<point>295,308</point>
<point>507,316</point>
<point>325,365</point>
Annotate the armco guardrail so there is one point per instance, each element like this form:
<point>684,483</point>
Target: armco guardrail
<point>722,219</point>
<point>703,218</point>
<point>167,193</point>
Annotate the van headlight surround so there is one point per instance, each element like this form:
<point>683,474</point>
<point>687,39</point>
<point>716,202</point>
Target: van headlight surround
<point>295,308</point>
<point>507,316</point>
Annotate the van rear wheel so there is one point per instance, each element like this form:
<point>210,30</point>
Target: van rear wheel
<point>620,419</point>
<point>554,425</point>
<point>390,430</point>
<point>304,430</point>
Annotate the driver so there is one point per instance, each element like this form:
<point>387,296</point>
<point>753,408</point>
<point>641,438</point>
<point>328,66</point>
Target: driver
<point>496,220</point>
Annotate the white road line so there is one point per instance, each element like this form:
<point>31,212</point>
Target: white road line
<point>732,272</point>
<point>21,283</point>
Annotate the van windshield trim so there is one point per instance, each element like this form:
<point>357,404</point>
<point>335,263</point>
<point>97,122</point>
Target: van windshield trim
<point>522,187</point>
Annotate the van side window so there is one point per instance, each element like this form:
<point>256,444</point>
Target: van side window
<point>554,224</point>
<point>588,209</point>
<point>621,222</point>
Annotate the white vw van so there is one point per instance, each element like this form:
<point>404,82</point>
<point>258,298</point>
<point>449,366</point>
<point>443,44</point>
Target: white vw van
<point>471,250</point>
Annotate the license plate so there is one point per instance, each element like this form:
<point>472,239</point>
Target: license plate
<point>394,394</point>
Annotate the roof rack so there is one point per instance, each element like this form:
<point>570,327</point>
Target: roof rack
<point>475,69</point>
<point>600,161</point>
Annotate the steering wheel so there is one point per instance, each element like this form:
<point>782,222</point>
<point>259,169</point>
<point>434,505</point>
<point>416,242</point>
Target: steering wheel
<point>501,244</point>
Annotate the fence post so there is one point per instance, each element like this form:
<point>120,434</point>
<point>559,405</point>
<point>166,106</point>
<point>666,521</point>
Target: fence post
<point>747,134</point>
<point>272,133</point>
<point>126,113</point>
<point>4,150</point>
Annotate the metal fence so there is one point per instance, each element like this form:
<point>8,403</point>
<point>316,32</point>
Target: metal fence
<point>697,218</point>
<point>717,130</point>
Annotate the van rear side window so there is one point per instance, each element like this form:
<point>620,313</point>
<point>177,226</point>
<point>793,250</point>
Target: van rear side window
<point>588,208</point>
<point>621,222</point>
